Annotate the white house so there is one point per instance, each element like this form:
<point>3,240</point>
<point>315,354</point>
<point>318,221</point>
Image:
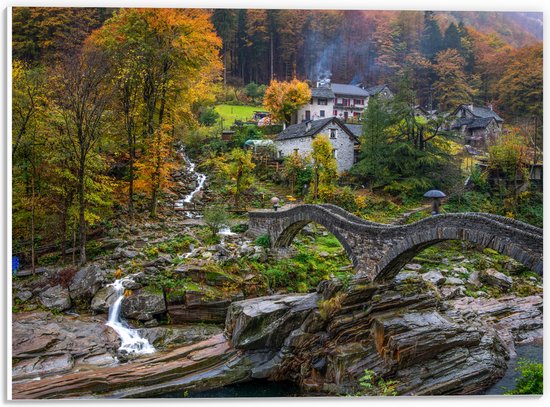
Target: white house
<point>338,100</point>
<point>298,138</point>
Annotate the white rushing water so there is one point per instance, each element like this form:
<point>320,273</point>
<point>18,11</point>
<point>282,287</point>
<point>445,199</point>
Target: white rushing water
<point>201,178</point>
<point>132,342</point>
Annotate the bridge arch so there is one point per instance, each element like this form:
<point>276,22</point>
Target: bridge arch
<point>405,250</point>
<point>288,234</point>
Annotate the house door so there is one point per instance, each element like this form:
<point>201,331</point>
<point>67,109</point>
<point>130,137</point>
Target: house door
<point>308,115</point>
<point>345,115</point>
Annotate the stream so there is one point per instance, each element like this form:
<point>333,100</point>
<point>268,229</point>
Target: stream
<point>532,352</point>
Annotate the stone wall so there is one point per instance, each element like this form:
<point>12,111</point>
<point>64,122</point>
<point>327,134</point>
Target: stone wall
<point>343,144</point>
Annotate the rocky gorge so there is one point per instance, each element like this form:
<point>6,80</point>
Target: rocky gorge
<point>446,324</point>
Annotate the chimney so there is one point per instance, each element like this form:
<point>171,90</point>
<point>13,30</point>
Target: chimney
<point>471,107</point>
<point>308,125</point>
<point>490,106</point>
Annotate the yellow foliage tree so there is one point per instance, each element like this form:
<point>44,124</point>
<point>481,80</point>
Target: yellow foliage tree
<point>324,167</point>
<point>283,99</point>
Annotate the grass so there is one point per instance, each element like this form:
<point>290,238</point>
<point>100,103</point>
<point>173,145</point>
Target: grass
<point>230,113</point>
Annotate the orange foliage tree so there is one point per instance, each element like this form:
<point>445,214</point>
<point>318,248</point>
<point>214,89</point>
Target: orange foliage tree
<point>154,167</point>
<point>283,99</point>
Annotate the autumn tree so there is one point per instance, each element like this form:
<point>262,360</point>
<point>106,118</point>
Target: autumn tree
<point>452,87</point>
<point>509,158</point>
<point>520,87</point>
<point>283,99</point>
<point>294,164</point>
<point>81,98</point>
<point>324,167</point>
<point>154,167</point>
<point>238,169</point>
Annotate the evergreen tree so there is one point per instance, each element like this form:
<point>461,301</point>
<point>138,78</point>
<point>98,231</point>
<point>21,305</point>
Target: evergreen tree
<point>452,38</point>
<point>432,41</point>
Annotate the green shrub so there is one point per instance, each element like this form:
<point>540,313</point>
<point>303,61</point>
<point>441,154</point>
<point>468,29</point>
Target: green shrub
<point>531,380</point>
<point>215,218</point>
<point>263,241</point>
<point>240,228</point>
<point>372,387</point>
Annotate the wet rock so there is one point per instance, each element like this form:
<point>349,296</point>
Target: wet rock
<point>86,282</point>
<point>413,266</point>
<point>179,335</point>
<point>23,295</point>
<point>453,281</point>
<point>143,305</point>
<point>434,277</point>
<point>197,306</point>
<point>104,299</point>
<point>56,298</point>
<point>474,280</point>
<point>406,275</point>
<point>42,366</point>
<point>39,334</point>
<point>494,278</point>
<point>263,323</point>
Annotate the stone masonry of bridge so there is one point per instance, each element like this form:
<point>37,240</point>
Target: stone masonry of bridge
<point>379,251</point>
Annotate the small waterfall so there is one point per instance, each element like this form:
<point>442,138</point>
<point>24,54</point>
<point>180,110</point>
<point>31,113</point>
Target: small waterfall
<point>225,231</point>
<point>131,341</point>
<point>201,178</point>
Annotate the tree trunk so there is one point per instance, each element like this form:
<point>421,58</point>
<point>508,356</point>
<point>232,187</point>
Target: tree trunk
<point>81,211</point>
<point>33,266</point>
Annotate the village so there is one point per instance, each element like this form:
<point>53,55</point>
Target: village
<point>271,203</point>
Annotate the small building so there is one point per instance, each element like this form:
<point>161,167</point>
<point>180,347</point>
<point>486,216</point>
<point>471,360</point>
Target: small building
<point>478,125</point>
<point>339,100</point>
<point>227,135</point>
<point>298,138</point>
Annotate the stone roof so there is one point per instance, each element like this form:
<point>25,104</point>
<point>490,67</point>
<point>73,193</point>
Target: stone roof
<point>473,123</point>
<point>374,90</point>
<point>348,90</point>
<point>481,112</point>
<point>301,129</point>
<point>356,129</point>
<point>322,92</point>
<point>480,123</point>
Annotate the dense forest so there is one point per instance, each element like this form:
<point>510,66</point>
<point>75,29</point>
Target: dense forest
<point>102,96</point>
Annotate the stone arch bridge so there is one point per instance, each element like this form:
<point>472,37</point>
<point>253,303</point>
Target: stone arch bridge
<point>379,251</point>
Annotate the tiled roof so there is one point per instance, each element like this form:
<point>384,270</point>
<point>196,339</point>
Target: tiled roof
<point>485,112</point>
<point>348,90</point>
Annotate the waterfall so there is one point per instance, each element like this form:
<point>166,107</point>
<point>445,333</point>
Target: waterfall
<point>201,178</point>
<point>131,341</point>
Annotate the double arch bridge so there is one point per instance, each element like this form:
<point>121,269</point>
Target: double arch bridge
<point>379,251</point>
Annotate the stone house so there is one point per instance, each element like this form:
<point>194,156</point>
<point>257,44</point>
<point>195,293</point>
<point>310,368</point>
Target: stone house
<point>478,125</point>
<point>338,100</point>
<point>298,137</point>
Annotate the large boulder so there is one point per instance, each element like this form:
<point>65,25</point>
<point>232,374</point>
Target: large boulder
<point>434,277</point>
<point>103,299</point>
<point>143,305</point>
<point>198,306</point>
<point>86,282</point>
<point>265,322</point>
<point>56,298</point>
<point>494,278</point>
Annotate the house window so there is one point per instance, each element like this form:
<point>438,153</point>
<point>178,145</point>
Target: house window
<point>332,133</point>
<point>358,101</point>
<point>280,153</point>
<point>335,113</point>
<point>335,153</point>
<point>311,101</point>
<point>345,102</point>
<point>322,113</point>
<point>296,150</point>
<point>322,101</point>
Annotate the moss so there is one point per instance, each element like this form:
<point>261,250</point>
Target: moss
<point>330,306</point>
